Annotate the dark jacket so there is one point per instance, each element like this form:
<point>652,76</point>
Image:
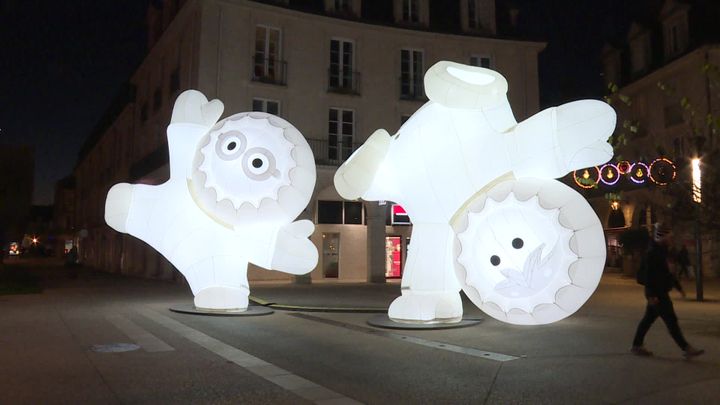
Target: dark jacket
<point>659,280</point>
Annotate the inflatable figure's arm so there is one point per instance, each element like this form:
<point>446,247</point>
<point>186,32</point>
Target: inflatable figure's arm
<point>285,249</point>
<point>558,140</point>
<point>294,252</point>
<point>192,117</point>
<point>366,174</point>
<point>128,208</point>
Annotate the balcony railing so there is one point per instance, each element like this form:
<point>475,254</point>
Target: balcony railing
<point>331,155</point>
<point>412,90</point>
<point>272,71</point>
<point>347,82</point>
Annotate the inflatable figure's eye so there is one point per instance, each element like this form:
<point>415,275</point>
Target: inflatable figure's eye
<point>494,260</point>
<point>517,243</point>
<point>230,145</point>
<point>259,164</point>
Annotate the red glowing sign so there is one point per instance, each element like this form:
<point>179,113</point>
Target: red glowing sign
<point>399,216</point>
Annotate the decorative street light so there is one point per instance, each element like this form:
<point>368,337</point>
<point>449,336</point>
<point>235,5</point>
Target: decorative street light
<point>696,183</point>
<point>697,199</point>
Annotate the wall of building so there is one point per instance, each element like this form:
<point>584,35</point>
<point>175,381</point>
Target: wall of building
<point>227,43</point>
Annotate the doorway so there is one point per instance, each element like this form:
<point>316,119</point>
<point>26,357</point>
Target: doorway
<point>331,255</point>
<point>393,257</point>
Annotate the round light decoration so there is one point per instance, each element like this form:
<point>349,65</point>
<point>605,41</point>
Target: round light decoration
<point>587,178</point>
<point>662,171</point>
<point>624,167</point>
<point>488,216</point>
<point>639,173</point>
<point>235,188</point>
<point>610,174</point>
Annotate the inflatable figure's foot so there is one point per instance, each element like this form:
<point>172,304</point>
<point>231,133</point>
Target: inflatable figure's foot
<point>426,307</point>
<point>192,107</point>
<point>117,206</point>
<point>355,176</point>
<point>222,299</point>
<point>582,130</point>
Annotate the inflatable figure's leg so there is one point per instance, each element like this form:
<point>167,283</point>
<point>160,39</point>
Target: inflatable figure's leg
<point>430,290</point>
<point>219,283</point>
<point>117,206</point>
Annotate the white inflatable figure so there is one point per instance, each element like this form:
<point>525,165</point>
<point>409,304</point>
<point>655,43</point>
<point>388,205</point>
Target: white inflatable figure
<point>487,215</point>
<point>235,188</point>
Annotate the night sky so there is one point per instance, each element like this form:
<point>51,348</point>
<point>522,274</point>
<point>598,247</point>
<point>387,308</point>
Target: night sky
<point>62,62</point>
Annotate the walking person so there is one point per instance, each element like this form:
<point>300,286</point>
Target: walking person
<point>658,282</point>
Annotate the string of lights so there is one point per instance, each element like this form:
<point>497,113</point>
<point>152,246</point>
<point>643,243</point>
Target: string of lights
<point>661,172</point>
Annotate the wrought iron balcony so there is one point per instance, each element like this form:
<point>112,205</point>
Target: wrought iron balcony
<point>412,90</point>
<point>346,82</point>
<point>331,155</point>
<point>269,70</point>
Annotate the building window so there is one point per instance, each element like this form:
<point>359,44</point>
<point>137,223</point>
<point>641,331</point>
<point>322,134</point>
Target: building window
<point>340,212</point>
<point>353,212</point>
<point>411,74</point>
<point>342,78</point>
<point>411,11</point>
<point>268,66</point>
<point>640,53</point>
<point>268,106</point>
<point>675,38</point>
<point>343,7</point>
<point>341,130</point>
<point>330,212</point>
<point>472,14</point>
<point>484,61</point>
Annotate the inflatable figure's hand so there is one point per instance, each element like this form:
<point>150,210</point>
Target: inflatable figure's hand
<point>583,128</point>
<point>294,252</point>
<point>192,107</point>
<point>354,178</point>
<point>117,206</point>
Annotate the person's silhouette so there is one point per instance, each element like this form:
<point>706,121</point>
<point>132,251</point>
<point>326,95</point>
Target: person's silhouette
<point>658,283</point>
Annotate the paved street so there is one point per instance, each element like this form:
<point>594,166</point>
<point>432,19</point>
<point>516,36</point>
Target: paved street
<point>54,349</point>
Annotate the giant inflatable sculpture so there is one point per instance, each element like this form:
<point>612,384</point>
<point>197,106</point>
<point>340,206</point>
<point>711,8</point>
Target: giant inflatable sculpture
<point>488,216</point>
<point>235,188</point>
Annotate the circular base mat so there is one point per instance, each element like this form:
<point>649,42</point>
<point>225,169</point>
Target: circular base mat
<point>252,310</point>
<point>383,321</point>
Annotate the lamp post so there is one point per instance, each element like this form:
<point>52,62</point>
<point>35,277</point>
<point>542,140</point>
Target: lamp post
<point>697,199</point>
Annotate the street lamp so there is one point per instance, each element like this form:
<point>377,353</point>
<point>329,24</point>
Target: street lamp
<point>696,183</point>
<point>697,199</point>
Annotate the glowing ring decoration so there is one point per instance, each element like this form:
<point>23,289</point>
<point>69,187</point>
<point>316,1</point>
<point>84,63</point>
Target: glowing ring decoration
<point>644,173</point>
<point>624,167</point>
<point>596,181</point>
<point>664,161</point>
<point>613,173</point>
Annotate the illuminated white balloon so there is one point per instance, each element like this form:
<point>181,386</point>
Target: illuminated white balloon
<point>461,146</point>
<point>235,188</point>
<point>521,246</point>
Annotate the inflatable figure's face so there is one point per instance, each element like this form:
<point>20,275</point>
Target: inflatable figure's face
<point>243,165</point>
<point>515,244</point>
